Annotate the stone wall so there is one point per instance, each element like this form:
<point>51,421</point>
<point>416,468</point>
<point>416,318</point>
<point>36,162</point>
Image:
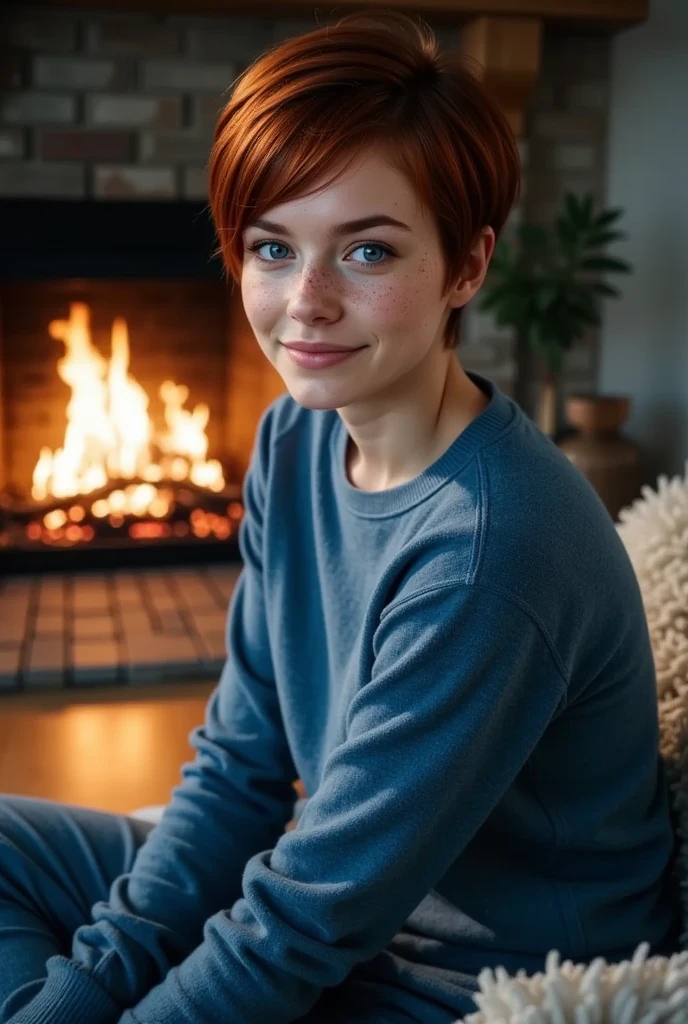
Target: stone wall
<point>107,105</point>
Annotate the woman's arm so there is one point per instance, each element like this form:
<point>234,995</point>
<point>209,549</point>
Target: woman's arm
<point>463,686</point>
<point>235,799</point>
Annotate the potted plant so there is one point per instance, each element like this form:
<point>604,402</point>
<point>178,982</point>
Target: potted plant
<point>548,287</point>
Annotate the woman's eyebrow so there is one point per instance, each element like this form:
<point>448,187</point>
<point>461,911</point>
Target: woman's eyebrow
<point>346,228</point>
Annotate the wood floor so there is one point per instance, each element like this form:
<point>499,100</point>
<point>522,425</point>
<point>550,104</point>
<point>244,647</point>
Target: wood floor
<point>103,749</point>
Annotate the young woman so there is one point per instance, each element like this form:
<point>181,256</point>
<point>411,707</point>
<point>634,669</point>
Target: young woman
<point>437,628</point>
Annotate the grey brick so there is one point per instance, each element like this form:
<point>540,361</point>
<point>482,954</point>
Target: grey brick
<point>127,589</point>
<point>575,157</point>
<point>166,672</point>
<point>195,183</point>
<point>171,622</point>
<point>49,623</point>
<point>170,657</point>
<point>156,586</point>
<point>51,595</point>
<point>205,111</point>
<point>93,627</point>
<point>187,75</point>
<point>194,592</point>
<point>214,636</point>
<point>579,360</point>
<point>77,73</point>
<point>135,182</point>
<point>133,33</point>
<point>14,605</point>
<point>174,147</point>
<point>287,28</point>
<point>136,622</point>
<point>22,178</point>
<point>564,126</point>
<point>587,95</point>
<point>95,661</point>
<point>37,108</point>
<point>45,662</point>
<point>134,111</point>
<point>43,30</point>
<point>9,667</point>
<point>241,40</point>
<point>12,143</point>
<point>90,596</point>
<point>12,67</point>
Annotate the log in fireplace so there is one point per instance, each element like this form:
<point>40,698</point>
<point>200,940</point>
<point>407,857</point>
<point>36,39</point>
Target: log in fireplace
<point>130,386</point>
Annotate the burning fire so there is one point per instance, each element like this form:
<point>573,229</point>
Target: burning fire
<point>109,434</point>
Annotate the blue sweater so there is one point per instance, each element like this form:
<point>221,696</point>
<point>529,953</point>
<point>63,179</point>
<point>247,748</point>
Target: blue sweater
<point>459,669</point>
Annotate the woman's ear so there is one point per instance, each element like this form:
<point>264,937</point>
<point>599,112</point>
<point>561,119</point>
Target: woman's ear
<point>474,269</point>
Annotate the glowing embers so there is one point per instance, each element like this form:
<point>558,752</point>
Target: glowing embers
<point>172,515</point>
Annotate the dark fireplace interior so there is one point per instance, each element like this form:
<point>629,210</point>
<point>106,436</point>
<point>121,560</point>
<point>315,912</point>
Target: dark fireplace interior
<point>130,387</point>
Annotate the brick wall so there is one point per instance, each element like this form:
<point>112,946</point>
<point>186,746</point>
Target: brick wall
<point>563,149</point>
<point>122,105</point>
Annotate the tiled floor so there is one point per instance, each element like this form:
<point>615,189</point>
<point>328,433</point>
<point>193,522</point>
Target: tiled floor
<point>134,626</point>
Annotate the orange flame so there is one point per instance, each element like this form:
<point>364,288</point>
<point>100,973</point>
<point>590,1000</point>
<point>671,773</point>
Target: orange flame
<point>109,434</point>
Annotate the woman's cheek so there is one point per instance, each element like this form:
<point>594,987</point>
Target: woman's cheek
<point>261,304</point>
<point>394,304</point>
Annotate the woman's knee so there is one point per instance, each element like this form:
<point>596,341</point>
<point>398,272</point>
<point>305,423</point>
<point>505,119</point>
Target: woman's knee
<point>61,858</point>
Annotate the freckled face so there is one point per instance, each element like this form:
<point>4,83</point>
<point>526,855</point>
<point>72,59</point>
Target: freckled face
<point>378,288</point>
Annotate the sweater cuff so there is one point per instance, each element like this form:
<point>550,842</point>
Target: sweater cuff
<point>69,994</point>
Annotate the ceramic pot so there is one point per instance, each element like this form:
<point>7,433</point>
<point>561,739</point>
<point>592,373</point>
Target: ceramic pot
<point>611,462</point>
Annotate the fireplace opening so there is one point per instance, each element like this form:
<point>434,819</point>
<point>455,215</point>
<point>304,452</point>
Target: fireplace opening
<point>130,388</point>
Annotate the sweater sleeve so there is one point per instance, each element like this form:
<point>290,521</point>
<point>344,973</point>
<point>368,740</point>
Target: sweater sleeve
<point>463,685</point>
<point>235,799</point>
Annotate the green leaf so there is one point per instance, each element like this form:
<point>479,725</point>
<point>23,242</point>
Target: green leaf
<point>566,231</point>
<point>533,334</point>
<point>607,217</point>
<point>585,313</point>
<point>571,208</point>
<point>533,235</point>
<point>604,238</point>
<point>586,210</point>
<point>605,263</point>
<point>545,297</point>
<point>605,289</point>
<point>494,296</point>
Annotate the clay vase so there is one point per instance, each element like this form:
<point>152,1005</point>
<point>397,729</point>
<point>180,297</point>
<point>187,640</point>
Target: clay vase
<point>612,463</point>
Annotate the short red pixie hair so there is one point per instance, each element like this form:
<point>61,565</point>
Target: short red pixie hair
<point>307,104</point>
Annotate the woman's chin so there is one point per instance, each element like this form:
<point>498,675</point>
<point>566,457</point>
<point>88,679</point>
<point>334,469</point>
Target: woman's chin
<point>317,395</point>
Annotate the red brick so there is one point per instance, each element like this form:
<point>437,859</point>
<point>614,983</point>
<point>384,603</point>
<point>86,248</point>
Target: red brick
<point>134,182</point>
<point>206,111</point>
<point>79,144</point>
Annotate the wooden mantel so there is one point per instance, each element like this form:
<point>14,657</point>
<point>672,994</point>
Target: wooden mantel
<point>603,12</point>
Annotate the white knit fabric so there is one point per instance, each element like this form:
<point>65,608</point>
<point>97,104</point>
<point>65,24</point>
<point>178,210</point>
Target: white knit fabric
<point>654,530</point>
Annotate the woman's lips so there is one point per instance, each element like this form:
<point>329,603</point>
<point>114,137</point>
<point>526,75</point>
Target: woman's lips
<point>320,360</point>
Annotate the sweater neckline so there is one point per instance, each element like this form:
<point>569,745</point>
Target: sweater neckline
<point>500,412</point>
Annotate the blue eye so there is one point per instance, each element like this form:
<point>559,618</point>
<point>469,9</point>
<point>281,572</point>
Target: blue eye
<point>389,254</point>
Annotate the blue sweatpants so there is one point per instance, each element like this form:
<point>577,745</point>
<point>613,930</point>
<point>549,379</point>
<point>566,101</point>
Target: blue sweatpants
<point>57,860</point>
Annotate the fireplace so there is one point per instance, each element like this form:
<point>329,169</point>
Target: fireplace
<point>130,386</point>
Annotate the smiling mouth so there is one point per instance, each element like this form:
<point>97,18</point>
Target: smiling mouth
<point>317,349</point>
